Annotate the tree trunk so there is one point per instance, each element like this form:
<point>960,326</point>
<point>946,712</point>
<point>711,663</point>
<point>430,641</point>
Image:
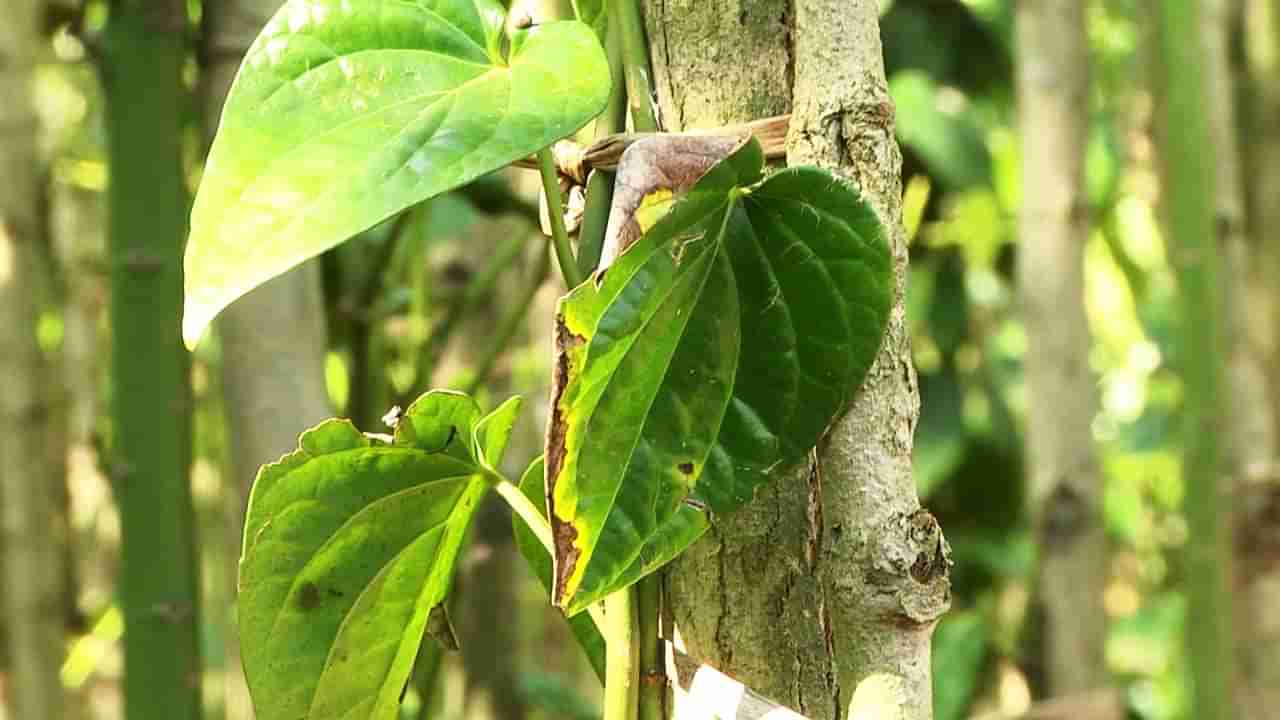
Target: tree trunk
<point>32,570</point>
<point>834,575</point>
<point>1065,490</point>
<point>1254,372</point>
<point>273,339</point>
<point>1190,210</point>
<point>144,50</point>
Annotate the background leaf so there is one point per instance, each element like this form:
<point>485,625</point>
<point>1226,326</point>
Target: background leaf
<point>712,353</point>
<point>346,112</point>
<point>349,544</point>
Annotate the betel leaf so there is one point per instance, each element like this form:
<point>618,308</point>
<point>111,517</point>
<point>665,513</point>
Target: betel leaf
<point>539,560</point>
<point>349,543</point>
<point>712,353</point>
<point>345,112</point>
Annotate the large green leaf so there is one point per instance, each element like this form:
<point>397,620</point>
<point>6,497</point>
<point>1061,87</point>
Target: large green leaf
<point>711,354</point>
<point>349,543</point>
<point>347,111</point>
<point>581,625</point>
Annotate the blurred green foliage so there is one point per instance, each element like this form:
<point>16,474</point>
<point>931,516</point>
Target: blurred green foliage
<point>950,73</point>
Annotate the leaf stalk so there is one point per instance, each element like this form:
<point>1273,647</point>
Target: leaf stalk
<point>555,209</point>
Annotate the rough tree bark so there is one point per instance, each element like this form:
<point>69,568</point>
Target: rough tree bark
<point>144,47</point>
<point>273,339</point>
<point>31,567</point>
<point>1253,368</point>
<point>1065,484</point>
<point>834,575</point>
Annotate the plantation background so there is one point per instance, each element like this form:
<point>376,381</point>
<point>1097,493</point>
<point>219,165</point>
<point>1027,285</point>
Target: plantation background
<point>423,300</point>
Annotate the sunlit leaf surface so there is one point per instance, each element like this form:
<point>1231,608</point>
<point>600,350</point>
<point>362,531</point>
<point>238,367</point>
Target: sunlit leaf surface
<point>349,543</point>
<point>345,112</point>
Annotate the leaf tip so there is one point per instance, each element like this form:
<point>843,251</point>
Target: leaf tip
<point>195,320</point>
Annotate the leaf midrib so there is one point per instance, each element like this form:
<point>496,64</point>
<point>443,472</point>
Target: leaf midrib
<point>727,210</point>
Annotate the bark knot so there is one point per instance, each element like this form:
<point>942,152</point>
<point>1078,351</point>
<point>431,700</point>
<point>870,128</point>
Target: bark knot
<point>912,565</point>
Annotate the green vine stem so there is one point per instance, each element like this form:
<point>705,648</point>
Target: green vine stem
<point>555,209</point>
<point>653,684</point>
<point>532,516</point>
<point>622,656</point>
<point>635,52</point>
<point>595,216</point>
<point>644,678</point>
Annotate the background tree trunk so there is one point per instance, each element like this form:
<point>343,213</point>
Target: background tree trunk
<point>1065,484</point>
<point>1254,367</point>
<point>834,574</point>
<point>1189,204</point>
<point>273,339</point>
<point>144,50</point>
<point>32,568</point>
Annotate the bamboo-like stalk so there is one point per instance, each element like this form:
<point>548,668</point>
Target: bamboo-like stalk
<point>145,44</point>
<point>1189,187</point>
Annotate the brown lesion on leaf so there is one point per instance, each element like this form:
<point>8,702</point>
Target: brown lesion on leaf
<point>308,597</point>
<point>563,533</point>
<point>685,468</point>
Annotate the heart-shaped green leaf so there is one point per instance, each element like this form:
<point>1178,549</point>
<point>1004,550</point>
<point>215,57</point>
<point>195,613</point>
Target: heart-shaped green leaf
<point>581,625</point>
<point>349,543</point>
<point>345,112</point>
<point>713,353</point>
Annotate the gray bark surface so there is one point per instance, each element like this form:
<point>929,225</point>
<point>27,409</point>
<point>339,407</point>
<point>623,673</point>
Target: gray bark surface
<point>273,339</point>
<point>31,561</point>
<point>834,575</point>
<point>1065,483</point>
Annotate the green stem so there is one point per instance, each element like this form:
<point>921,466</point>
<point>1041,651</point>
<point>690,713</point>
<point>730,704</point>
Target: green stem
<point>533,517</point>
<point>1194,249</point>
<point>652,671</point>
<point>635,53</point>
<point>510,324</point>
<point>595,216</point>
<point>632,688</point>
<point>555,209</point>
<point>622,664</point>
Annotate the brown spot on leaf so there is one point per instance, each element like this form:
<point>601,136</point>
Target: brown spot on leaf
<point>308,597</point>
<point>686,468</point>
